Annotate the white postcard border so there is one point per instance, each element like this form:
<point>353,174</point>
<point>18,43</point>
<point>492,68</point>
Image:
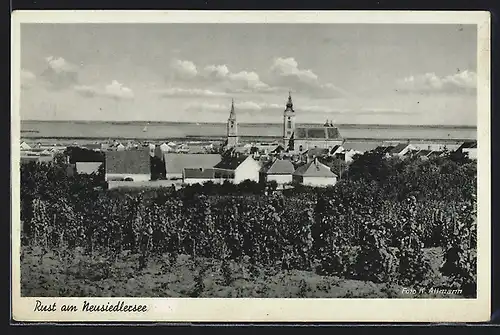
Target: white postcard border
<point>267,310</point>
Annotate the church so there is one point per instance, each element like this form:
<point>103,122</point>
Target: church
<point>296,137</point>
<point>302,137</point>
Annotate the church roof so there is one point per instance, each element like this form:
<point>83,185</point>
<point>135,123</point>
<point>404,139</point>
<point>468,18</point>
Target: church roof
<point>317,133</point>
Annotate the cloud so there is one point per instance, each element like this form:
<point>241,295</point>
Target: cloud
<point>462,82</point>
<point>59,73</point>
<point>184,69</point>
<point>233,82</point>
<point>28,79</point>
<point>219,72</point>
<point>236,82</point>
<point>115,90</point>
<point>286,73</point>
<point>189,92</point>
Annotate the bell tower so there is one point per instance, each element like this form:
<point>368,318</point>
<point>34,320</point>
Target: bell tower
<point>288,121</point>
<point>232,128</point>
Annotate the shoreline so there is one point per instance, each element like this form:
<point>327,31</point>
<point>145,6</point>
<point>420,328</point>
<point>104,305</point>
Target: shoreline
<point>244,138</point>
<point>251,124</point>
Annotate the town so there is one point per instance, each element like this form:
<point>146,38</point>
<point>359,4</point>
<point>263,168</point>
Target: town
<point>312,155</point>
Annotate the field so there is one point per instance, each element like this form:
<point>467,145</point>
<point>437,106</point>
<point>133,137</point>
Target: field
<point>388,225</point>
<point>81,275</point>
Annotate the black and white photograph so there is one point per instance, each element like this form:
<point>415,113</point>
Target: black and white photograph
<point>329,160</point>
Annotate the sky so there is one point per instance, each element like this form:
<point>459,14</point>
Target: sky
<point>346,73</point>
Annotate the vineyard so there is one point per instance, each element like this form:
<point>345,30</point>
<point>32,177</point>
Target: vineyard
<point>360,231</point>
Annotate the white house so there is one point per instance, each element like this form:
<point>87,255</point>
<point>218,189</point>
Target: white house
<point>198,175</point>
<point>278,170</point>
<point>25,146</point>
<point>470,148</point>
<point>120,147</point>
<point>314,173</point>
<point>131,165</point>
<point>239,168</point>
<point>164,147</point>
<point>175,163</point>
<point>87,167</point>
<point>152,148</point>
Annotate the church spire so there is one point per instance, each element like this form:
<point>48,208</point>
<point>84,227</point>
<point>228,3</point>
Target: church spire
<point>232,114</point>
<point>289,104</point>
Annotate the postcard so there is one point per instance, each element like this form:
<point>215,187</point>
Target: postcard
<point>233,166</point>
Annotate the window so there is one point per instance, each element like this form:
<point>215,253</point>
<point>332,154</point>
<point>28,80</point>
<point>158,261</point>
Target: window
<point>301,148</point>
<point>289,118</point>
<point>289,123</point>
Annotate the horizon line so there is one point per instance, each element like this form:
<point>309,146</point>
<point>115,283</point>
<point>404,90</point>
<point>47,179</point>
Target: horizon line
<point>252,123</point>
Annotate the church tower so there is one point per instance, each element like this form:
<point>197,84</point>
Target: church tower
<point>288,121</point>
<point>232,128</point>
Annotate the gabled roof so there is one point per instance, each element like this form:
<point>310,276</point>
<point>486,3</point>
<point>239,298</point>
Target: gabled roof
<point>314,169</point>
<point>423,153</point>
<point>468,145</point>
<point>25,145</point>
<point>335,148</point>
<point>128,161</point>
<point>278,166</point>
<point>360,146</point>
<point>278,149</point>
<point>87,167</point>
<point>199,173</point>
<point>92,146</point>
<point>385,148</point>
<point>231,162</point>
<point>398,148</point>
<point>176,162</point>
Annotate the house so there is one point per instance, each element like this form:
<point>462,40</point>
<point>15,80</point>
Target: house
<point>278,170</point>
<point>399,150</point>
<point>360,146</point>
<point>87,167</point>
<point>131,165</point>
<point>164,147</point>
<point>347,155</point>
<point>314,173</point>
<point>152,149</point>
<point>239,167</point>
<point>92,146</point>
<point>337,149</point>
<point>198,175</point>
<point>25,146</point>
<point>175,163</point>
<point>120,147</point>
<point>469,147</point>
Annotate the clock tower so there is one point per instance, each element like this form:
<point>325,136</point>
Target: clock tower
<point>288,122</point>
